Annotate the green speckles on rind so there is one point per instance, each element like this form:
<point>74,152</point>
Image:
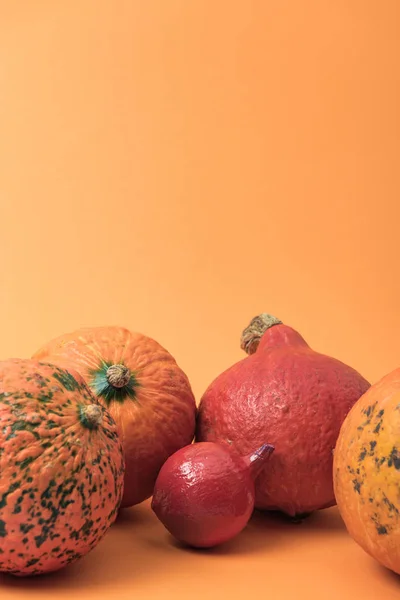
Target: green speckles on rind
<point>368,411</point>
<point>13,487</point>
<point>47,494</point>
<point>45,396</point>
<point>38,379</point>
<point>48,491</point>
<point>362,455</point>
<point>394,459</point>
<point>378,426</point>
<point>381,529</point>
<point>17,507</point>
<point>3,530</point>
<point>32,561</point>
<point>357,484</point>
<point>102,388</point>
<point>379,421</point>
<point>379,462</point>
<point>84,531</point>
<point>390,506</point>
<point>23,425</point>
<point>24,464</point>
<point>66,379</point>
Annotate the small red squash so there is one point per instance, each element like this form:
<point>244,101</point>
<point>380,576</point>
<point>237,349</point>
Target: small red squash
<point>292,396</point>
<point>204,493</point>
<point>61,468</point>
<point>145,391</point>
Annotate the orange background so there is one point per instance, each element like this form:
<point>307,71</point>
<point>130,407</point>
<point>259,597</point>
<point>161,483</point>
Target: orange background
<point>177,166</point>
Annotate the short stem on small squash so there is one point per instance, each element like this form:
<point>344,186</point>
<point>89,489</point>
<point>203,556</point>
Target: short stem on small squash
<point>256,459</point>
<point>91,415</point>
<point>253,333</point>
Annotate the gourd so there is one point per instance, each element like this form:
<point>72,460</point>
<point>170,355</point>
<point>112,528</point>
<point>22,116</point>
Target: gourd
<point>204,493</point>
<point>294,397</point>
<point>143,388</point>
<point>366,471</point>
<point>61,468</point>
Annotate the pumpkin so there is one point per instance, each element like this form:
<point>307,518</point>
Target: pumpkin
<point>366,471</point>
<point>204,493</point>
<point>294,397</point>
<point>146,392</point>
<point>61,468</point>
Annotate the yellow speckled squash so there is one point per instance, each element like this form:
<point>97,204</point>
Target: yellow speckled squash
<point>366,471</point>
<point>61,468</point>
<point>146,392</point>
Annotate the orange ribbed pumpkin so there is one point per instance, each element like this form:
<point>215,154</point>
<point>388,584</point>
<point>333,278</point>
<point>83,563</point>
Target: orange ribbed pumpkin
<point>366,471</point>
<point>145,391</point>
<point>61,468</point>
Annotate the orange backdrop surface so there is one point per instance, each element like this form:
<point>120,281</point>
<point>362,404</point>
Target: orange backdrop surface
<point>176,167</point>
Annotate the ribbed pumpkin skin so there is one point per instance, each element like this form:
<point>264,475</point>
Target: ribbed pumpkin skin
<point>366,471</point>
<point>61,482</point>
<point>156,419</point>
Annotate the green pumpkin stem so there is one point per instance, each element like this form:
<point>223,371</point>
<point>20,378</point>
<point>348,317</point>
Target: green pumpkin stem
<point>114,383</point>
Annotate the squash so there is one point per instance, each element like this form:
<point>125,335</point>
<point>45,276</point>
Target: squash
<point>366,471</point>
<point>291,395</point>
<point>144,389</point>
<point>61,468</point>
<point>204,493</point>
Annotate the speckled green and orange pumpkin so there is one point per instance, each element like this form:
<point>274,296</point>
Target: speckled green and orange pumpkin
<point>366,471</point>
<point>61,468</point>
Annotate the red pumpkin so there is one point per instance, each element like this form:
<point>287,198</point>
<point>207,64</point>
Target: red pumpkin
<point>61,468</point>
<point>204,493</point>
<point>145,391</point>
<point>294,397</point>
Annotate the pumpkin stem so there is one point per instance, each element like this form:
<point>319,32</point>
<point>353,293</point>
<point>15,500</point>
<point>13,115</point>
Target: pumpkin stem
<point>253,333</point>
<point>256,459</point>
<point>114,383</point>
<point>118,376</point>
<point>91,415</point>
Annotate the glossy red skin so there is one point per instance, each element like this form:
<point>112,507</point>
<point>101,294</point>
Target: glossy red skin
<point>297,399</point>
<point>204,495</point>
